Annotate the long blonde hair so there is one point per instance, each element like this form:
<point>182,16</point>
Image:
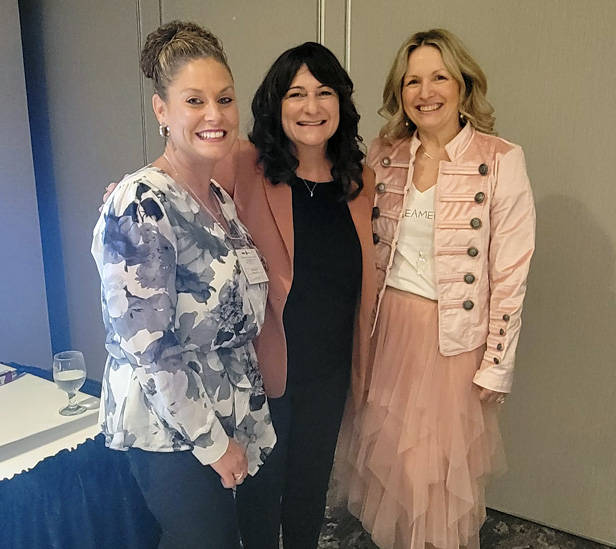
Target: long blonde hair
<point>473,105</point>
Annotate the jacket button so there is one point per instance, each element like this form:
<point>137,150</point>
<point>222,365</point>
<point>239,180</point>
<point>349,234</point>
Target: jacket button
<point>376,238</point>
<point>496,361</point>
<point>376,212</point>
<point>468,305</point>
<point>469,278</point>
<point>480,197</point>
<point>506,318</point>
<point>386,161</point>
<point>483,169</point>
<point>380,188</point>
<point>472,251</point>
<point>499,347</point>
<point>476,223</point>
<point>501,332</point>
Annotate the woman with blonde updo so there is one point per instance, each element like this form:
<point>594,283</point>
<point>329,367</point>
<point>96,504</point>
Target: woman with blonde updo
<point>454,226</point>
<point>183,295</point>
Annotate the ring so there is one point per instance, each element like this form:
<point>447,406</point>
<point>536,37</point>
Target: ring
<point>500,400</point>
<point>238,476</point>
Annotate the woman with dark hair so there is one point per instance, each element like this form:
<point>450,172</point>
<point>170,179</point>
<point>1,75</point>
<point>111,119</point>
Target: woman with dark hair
<point>455,227</point>
<point>307,199</point>
<point>303,193</point>
<point>272,135</point>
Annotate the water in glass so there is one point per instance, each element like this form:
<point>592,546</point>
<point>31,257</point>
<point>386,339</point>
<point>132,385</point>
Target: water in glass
<point>69,373</point>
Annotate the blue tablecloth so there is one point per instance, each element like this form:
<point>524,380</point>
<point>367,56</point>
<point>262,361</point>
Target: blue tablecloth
<point>80,499</point>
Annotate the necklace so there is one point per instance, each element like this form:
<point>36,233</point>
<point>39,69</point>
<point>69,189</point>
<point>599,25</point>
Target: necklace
<point>426,154</point>
<point>182,183</point>
<point>311,191</point>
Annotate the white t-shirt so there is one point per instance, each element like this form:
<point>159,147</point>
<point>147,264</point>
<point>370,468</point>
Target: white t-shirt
<point>413,266</point>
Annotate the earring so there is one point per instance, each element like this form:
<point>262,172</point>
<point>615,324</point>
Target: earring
<point>163,130</point>
<point>462,119</point>
<point>406,123</point>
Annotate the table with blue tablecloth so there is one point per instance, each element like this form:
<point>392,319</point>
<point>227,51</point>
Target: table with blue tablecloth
<point>80,497</point>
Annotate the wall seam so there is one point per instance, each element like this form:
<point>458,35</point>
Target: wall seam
<point>321,21</point>
<point>144,142</point>
<point>347,35</point>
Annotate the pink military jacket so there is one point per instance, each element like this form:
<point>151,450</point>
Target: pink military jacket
<point>483,242</point>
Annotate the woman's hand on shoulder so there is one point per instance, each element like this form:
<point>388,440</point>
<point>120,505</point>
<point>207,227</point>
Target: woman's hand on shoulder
<point>232,466</point>
<point>107,194</point>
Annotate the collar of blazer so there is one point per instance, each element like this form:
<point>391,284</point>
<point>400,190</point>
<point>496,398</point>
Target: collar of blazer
<point>280,201</point>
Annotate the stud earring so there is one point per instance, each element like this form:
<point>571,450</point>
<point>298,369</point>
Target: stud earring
<point>163,130</point>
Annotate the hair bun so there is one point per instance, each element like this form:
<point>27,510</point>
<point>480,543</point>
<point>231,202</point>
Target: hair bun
<point>164,35</point>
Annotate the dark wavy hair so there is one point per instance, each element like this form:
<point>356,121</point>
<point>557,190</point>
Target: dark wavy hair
<point>276,154</point>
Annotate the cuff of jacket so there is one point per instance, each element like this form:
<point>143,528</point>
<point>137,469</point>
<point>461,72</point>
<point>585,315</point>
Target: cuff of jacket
<point>215,450</point>
<point>496,377</point>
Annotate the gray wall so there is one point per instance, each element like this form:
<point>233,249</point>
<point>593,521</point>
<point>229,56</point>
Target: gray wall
<point>552,79</point>
<point>24,326</point>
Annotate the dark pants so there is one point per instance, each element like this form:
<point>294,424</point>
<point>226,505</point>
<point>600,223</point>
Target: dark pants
<point>291,487</point>
<point>192,507</point>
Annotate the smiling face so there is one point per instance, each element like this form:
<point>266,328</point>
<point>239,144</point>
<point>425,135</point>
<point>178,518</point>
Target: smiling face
<point>310,111</point>
<point>430,94</point>
<point>200,110</point>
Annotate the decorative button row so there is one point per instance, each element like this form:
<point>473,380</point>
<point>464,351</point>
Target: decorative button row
<point>376,212</point>
<point>483,168</point>
<point>500,346</point>
<point>380,188</point>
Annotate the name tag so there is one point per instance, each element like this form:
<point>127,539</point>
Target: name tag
<point>251,265</point>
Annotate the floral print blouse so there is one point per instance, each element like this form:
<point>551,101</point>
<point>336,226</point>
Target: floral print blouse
<point>180,318</point>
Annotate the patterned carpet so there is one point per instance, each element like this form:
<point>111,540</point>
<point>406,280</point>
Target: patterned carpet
<point>342,531</point>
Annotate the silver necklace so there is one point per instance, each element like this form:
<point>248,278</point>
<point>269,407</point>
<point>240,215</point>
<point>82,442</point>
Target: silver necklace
<point>311,191</point>
<point>182,183</point>
<point>426,154</point>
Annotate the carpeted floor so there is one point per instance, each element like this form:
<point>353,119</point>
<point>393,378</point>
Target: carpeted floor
<point>342,531</point>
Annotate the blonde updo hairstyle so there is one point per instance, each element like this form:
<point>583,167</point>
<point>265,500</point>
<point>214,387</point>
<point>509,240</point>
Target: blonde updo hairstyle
<point>171,46</point>
<point>473,104</point>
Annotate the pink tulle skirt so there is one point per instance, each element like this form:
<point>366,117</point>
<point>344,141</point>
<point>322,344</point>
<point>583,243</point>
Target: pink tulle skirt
<point>413,462</point>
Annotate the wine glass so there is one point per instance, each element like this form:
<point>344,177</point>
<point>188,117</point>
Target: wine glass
<point>69,373</point>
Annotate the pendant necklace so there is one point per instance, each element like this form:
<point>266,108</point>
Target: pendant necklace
<point>182,183</point>
<point>311,191</point>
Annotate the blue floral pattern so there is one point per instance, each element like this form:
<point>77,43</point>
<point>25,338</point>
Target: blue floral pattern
<point>180,318</point>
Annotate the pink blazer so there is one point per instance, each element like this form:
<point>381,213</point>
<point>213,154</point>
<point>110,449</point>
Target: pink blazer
<point>266,210</point>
